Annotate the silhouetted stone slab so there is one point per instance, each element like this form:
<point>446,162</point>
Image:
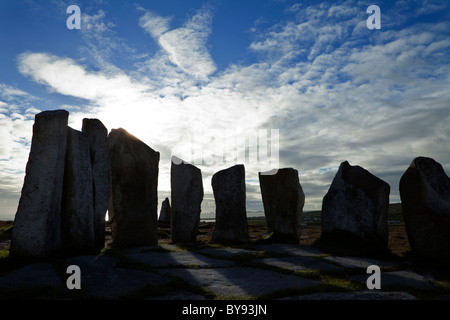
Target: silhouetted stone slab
<point>425,195</point>
<point>179,258</point>
<point>406,278</point>
<point>358,262</point>
<point>187,196</point>
<point>361,295</point>
<point>101,278</point>
<point>77,221</point>
<point>240,282</point>
<point>97,135</point>
<point>286,249</point>
<point>37,224</point>
<point>283,201</point>
<point>357,203</point>
<point>298,263</point>
<point>231,215</point>
<point>134,198</point>
<point>35,275</point>
<point>166,211</point>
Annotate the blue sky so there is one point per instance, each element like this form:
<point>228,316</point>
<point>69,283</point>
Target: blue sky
<point>188,76</point>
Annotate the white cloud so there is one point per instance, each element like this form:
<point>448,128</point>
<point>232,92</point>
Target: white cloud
<point>185,46</point>
<point>8,92</point>
<point>155,25</point>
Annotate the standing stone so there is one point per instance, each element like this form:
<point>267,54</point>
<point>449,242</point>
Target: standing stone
<point>231,214</point>
<point>357,203</point>
<point>187,196</point>
<point>166,212</point>
<point>97,135</point>
<point>134,195</point>
<point>283,201</point>
<point>37,224</point>
<point>425,195</point>
<point>77,220</point>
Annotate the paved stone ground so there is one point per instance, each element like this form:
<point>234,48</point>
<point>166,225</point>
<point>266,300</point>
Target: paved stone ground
<point>209,272</point>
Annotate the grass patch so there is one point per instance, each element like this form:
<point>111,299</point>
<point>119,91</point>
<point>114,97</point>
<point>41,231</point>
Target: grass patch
<point>257,221</point>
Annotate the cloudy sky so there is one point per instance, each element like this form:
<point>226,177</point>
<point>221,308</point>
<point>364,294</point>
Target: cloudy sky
<point>302,84</point>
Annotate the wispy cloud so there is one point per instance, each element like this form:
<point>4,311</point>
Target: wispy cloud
<point>185,46</point>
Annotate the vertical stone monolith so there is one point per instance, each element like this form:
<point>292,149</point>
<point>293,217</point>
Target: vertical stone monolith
<point>425,195</point>
<point>283,201</point>
<point>187,196</point>
<point>97,135</point>
<point>134,190</point>
<point>77,218</point>
<point>231,214</point>
<point>166,212</point>
<point>357,203</point>
<point>37,224</point>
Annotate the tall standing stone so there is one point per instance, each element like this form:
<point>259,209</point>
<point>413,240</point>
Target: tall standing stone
<point>283,201</point>
<point>97,135</point>
<point>37,224</point>
<point>134,190</point>
<point>231,214</point>
<point>77,218</point>
<point>425,195</point>
<point>357,203</point>
<point>187,196</point>
<point>165,213</point>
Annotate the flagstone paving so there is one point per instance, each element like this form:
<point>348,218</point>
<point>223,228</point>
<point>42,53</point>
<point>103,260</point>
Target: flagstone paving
<point>298,263</point>
<point>263,271</point>
<point>240,282</point>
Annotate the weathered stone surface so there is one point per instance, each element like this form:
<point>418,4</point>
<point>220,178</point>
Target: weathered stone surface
<point>134,198</point>
<point>97,134</point>
<point>231,214</point>
<point>32,276</point>
<point>298,263</point>
<point>357,203</point>
<point>406,278</point>
<point>102,278</point>
<point>187,196</point>
<point>239,282</point>
<point>360,295</point>
<point>180,258</point>
<point>425,195</point>
<point>283,201</point>
<point>77,211</point>
<point>166,211</point>
<point>37,224</point>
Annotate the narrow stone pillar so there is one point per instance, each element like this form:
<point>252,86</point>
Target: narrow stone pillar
<point>187,196</point>
<point>166,212</point>
<point>283,201</point>
<point>134,190</point>
<point>231,225</point>
<point>77,221</point>
<point>37,224</point>
<point>97,135</point>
